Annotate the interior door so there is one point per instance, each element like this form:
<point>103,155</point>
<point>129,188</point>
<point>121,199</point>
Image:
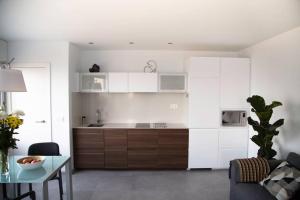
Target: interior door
<point>36,105</point>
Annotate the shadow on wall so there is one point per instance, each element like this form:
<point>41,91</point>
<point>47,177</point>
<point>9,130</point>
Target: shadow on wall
<point>289,136</point>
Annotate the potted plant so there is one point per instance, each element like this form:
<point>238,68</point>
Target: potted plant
<point>265,130</point>
<point>8,124</point>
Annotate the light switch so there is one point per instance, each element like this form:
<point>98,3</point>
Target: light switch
<point>173,106</point>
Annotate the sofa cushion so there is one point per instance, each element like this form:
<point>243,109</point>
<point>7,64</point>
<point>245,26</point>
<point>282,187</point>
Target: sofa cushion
<point>251,191</point>
<point>294,159</point>
<point>283,182</point>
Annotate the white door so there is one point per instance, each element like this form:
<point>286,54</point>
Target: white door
<point>36,105</point>
<point>204,110</point>
<point>203,148</point>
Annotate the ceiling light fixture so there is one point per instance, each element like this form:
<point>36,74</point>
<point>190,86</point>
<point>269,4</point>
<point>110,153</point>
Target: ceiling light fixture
<point>131,43</point>
<point>170,43</point>
<point>91,43</point>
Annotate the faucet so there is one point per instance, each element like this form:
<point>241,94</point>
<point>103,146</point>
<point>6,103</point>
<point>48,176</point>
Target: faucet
<point>98,114</point>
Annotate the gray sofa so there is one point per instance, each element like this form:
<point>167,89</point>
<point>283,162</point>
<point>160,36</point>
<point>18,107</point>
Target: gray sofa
<point>250,191</point>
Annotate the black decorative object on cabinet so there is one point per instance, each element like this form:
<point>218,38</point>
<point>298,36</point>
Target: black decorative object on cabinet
<point>95,68</point>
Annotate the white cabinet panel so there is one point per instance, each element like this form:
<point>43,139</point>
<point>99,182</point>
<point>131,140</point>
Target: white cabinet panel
<point>226,155</point>
<point>204,111</point>
<point>204,67</point>
<point>143,82</point>
<point>235,82</point>
<point>118,82</point>
<point>234,138</point>
<point>175,83</point>
<point>203,148</point>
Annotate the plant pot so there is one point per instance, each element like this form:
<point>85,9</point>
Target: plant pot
<point>4,162</point>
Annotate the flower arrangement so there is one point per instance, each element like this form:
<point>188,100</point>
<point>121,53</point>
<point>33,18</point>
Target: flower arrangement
<point>8,124</point>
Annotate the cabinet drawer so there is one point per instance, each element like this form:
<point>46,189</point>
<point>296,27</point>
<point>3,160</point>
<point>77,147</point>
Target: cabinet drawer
<point>89,160</point>
<point>142,139</point>
<point>85,139</point>
<point>142,159</point>
<point>115,139</point>
<point>175,139</point>
<point>173,161</point>
<point>115,159</point>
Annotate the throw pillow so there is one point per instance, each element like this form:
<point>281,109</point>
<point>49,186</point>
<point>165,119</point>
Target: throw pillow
<point>283,182</point>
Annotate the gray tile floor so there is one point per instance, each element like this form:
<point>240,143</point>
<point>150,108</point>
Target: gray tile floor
<point>146,185</point>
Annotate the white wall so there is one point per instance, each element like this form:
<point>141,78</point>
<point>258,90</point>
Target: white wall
<point>276,76</point>
<point>138,107</point>
<point>3,51</point>
<point>57,54</point>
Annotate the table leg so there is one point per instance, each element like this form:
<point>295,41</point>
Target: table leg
<point>45,190</point>
<point>69,181</point>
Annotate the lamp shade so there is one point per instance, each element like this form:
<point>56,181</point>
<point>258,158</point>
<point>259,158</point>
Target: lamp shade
<point>11,80</point>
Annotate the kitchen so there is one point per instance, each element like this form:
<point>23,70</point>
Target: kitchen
<point>159,120</point>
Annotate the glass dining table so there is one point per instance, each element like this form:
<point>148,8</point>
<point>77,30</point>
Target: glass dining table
<point>41,175</point>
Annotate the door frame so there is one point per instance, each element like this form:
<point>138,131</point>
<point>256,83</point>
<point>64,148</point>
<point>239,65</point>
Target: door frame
<point>34,65</point>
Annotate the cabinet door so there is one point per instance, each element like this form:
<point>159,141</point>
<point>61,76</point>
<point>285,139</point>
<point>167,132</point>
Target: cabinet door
<point>93,82</point>
<point>88,149</point>
<point>143,82</point>
<point>175,83</point>
<point>235,82</point>
<point>115,148</point>
<point>204,109</point>
<point>118,82</point>
<point>204,67</point>
<point>142,149</point>
<point>233,145</point>
<point>173,149</point>
<point>203,148</point>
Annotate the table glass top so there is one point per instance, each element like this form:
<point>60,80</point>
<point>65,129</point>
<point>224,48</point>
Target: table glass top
<point>49,168</point>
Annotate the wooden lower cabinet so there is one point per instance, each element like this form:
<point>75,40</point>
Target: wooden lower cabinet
<point>88,148</point>
<point>142,148</point>
<point>131,148</point>
<point>173,149</point>
<point>115,142</point>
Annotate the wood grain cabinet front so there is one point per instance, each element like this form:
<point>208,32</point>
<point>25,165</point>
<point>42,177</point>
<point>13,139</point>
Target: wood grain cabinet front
<point>115,141</point>
<point>142,149</point>
<point>131,148</point>
<point>173,149</point>
<point>88,149</point>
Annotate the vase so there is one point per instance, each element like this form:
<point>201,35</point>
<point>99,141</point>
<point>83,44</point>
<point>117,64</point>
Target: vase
<point>4,162</point>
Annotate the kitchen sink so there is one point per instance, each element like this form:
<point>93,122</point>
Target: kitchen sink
<point>95,125</point>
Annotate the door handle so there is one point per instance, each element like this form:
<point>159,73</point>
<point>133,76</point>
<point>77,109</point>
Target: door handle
<point>42,121</point>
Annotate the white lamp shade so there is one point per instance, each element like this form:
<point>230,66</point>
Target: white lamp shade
<point>11,80</point>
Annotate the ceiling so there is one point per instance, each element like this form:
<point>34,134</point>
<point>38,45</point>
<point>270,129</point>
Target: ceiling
<point>151,24</point>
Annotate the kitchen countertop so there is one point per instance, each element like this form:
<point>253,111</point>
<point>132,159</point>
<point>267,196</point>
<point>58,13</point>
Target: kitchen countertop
<point>132,126</point>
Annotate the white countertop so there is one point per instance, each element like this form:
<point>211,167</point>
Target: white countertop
<point>132,126</point>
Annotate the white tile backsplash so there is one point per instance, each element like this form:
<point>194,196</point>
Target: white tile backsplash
<point>135,107</point>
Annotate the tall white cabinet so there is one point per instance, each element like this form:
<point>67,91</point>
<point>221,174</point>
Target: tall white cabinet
<point>216,84</point>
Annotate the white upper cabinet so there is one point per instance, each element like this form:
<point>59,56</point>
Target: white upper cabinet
<point>204,67</point>
<point>204,106</point>
<point>175,83</point>
<point>235,82</point>
<point>118,82</point>
<point>93,82</point>
<point>143,82</point>
<point>3,51</point>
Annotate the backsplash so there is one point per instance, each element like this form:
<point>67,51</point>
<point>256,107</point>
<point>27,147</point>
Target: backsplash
<point>135,107</point>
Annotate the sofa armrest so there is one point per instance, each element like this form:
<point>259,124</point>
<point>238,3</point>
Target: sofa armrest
<point>234,172</point>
